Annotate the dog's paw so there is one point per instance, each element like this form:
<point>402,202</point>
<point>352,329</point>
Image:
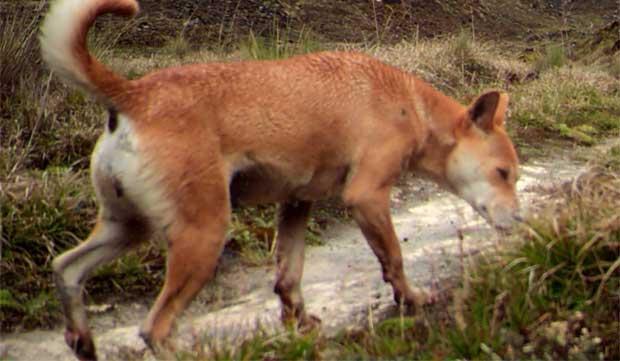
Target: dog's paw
<point>162,349</point>
<point>426,296</point>
<point>302,322</point>
<point>82,344</point>
<point>308,323</point>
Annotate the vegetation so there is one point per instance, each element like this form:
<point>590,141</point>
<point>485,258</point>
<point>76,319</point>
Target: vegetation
<point>573,102</point>
<point>278,45</point>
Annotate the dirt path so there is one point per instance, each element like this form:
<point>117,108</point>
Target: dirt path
<point>342,281</point>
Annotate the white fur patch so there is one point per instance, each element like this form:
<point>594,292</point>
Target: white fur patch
<point>117,157</point>
<point>57,32</point>
<point>466,175</point>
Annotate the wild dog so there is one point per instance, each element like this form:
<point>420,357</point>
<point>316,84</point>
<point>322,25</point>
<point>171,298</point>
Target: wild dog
<point>182,143</point>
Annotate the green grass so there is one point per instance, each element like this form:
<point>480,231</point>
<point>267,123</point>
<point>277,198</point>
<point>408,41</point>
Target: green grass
<point>285,346</point>
<point>554,56</point>
<point>44,214</point>
<point>279,44</point>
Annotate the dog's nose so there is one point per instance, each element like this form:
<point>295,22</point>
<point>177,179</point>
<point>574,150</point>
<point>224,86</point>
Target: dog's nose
<point>518,218</point>
<point>482,208</point>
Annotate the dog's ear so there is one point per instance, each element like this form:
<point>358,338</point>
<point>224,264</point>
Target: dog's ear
<point>483,111</point>
<point>500,112</point>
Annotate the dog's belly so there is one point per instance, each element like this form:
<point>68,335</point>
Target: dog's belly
<point>258,185</point>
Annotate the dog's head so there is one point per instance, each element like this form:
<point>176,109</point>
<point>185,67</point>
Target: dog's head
<point>482,167</point>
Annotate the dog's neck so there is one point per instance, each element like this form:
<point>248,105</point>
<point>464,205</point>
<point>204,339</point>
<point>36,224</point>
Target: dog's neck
<point>439,115</point>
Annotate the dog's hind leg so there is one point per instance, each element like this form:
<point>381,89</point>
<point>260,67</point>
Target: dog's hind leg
<point>195,242</point>
<point>290,260</point>
<point>108,240</point>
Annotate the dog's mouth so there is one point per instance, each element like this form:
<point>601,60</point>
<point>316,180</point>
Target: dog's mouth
<point>501,222</point>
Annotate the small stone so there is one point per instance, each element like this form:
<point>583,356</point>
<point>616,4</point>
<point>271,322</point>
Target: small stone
<point>528,348</point>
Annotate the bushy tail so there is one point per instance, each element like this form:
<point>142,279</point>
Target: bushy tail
<point>63,45</point>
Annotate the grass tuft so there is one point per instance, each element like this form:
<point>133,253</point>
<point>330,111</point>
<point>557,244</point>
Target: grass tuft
<point>18,50</point>
<point>286,345</point>
<point>43,123</point>
<point>279,44</point>
<point>177,46</point>
<point>553,57</point>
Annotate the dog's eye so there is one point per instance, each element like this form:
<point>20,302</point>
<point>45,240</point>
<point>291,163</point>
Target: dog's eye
<point>504,173</point>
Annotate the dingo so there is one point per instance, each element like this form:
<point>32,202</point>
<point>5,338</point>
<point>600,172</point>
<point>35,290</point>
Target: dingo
<point>182,143</point>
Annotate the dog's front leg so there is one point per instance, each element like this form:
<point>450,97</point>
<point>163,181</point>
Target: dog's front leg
<point>290,259</point>
<point>368,197</point>
<point>374,219</point>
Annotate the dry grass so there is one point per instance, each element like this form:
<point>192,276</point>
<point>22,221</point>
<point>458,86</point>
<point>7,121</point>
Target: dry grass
<point>558,100</point>
<point>42,122</point>
<point>18,48</point>
<point>574,102</point>
<point>456,64</point>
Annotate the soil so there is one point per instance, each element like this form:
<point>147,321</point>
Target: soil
<point>220,23</point>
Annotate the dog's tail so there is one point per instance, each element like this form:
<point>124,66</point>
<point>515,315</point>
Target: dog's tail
<point>63,46</point>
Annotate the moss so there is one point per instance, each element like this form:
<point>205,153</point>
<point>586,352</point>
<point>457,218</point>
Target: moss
<point>567,103</point>
<point>575,134</point>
